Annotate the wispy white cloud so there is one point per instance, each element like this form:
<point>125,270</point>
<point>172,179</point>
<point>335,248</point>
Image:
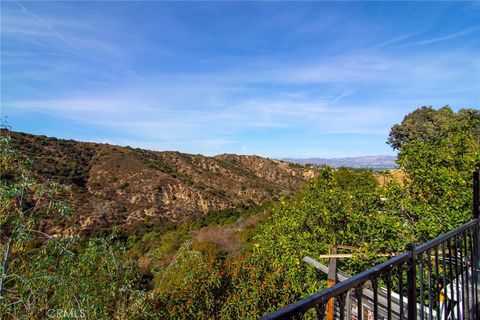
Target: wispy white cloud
<point>57,44</point>
<point>392,41</point>
<point>96,77</point>
<point>441,38</point>
<point>219,105</point>
<point>45,23</point>
<point>176,125</point>
<point>344,94</point>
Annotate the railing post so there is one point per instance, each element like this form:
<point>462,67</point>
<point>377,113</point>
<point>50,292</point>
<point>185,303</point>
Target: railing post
<point>476,238</point>
<point>476,195</point>
<point>412,283</point>
<point>331,280</point>
<point>476,213</point>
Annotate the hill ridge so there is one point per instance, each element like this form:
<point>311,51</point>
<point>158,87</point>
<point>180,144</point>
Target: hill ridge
<point>135,188</point>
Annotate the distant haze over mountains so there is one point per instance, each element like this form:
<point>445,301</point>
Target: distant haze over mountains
<point>374,162</point>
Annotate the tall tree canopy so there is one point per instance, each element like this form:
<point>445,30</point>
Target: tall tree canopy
<point>426,124</point>
<point>438,151</point>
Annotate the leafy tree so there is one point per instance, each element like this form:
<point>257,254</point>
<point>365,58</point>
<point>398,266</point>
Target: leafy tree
<point>423,124</point>
<point>23,201</point>
<point>41,272</point>
<point>438,151</point>
<point>339,207</point>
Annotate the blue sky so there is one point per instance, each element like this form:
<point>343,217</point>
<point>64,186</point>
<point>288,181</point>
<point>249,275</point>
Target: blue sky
<point>277,79</point>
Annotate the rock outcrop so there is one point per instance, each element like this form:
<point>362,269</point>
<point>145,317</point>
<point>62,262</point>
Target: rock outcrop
<point>135,188</point>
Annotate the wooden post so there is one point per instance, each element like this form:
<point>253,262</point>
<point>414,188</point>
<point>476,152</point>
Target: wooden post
<point>331,280</point>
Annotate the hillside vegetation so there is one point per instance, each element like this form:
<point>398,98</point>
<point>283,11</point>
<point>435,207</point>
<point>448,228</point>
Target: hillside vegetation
<point>137,189</point>
<point>221,267</point>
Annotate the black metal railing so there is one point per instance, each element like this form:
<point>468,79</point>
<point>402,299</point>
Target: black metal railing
<point>435,280</point>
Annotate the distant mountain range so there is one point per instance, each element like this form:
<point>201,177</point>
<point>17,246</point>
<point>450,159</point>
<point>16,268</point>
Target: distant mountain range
<point>380,162</point>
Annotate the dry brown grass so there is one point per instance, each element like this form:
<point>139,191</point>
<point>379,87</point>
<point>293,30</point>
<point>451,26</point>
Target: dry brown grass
<point>397,176</point>
<point>225,238</point>
<point>145,265</point>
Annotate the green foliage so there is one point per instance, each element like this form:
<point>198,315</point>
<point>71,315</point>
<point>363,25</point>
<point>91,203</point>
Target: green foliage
<point>343,206</point>
<point>225,216</point>
<point>41,272</point>
<point>426,124</point>
<point>438,151</point>
<point>63,274</point>
<point>231,215</point>
<point>170,273</point>
<point>298,165</point>
<point>339,207</point>
<point>63,161</point>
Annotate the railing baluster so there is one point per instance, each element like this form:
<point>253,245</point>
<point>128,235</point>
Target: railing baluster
<point>400,289</point>
<point>412,283</point>
<point>320,311</point>
<point>462,278</point>
<point>389,293</point>
<point>358,293</point>
<point>349,304</point>
<point>444,274</point>
<point>449,273</point>
<point>375,297</point>
<point>437,282</point>
<point>457,276</point>
<point>341,304</point>
<point>475,267</point>
<point>429,272</point>
<point>450,268</point>
<point>421,293</point>
<point>473,277</point>
<point>467,276</point>
<point>298,315</point>
<point>476,195</point>
<point>475,236</point>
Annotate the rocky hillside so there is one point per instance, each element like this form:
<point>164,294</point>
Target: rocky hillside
<point>135,188</point>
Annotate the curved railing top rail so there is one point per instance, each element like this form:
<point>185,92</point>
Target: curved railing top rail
<point>301,306</point>
<point>297,309</point>
<point>442,238</point>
